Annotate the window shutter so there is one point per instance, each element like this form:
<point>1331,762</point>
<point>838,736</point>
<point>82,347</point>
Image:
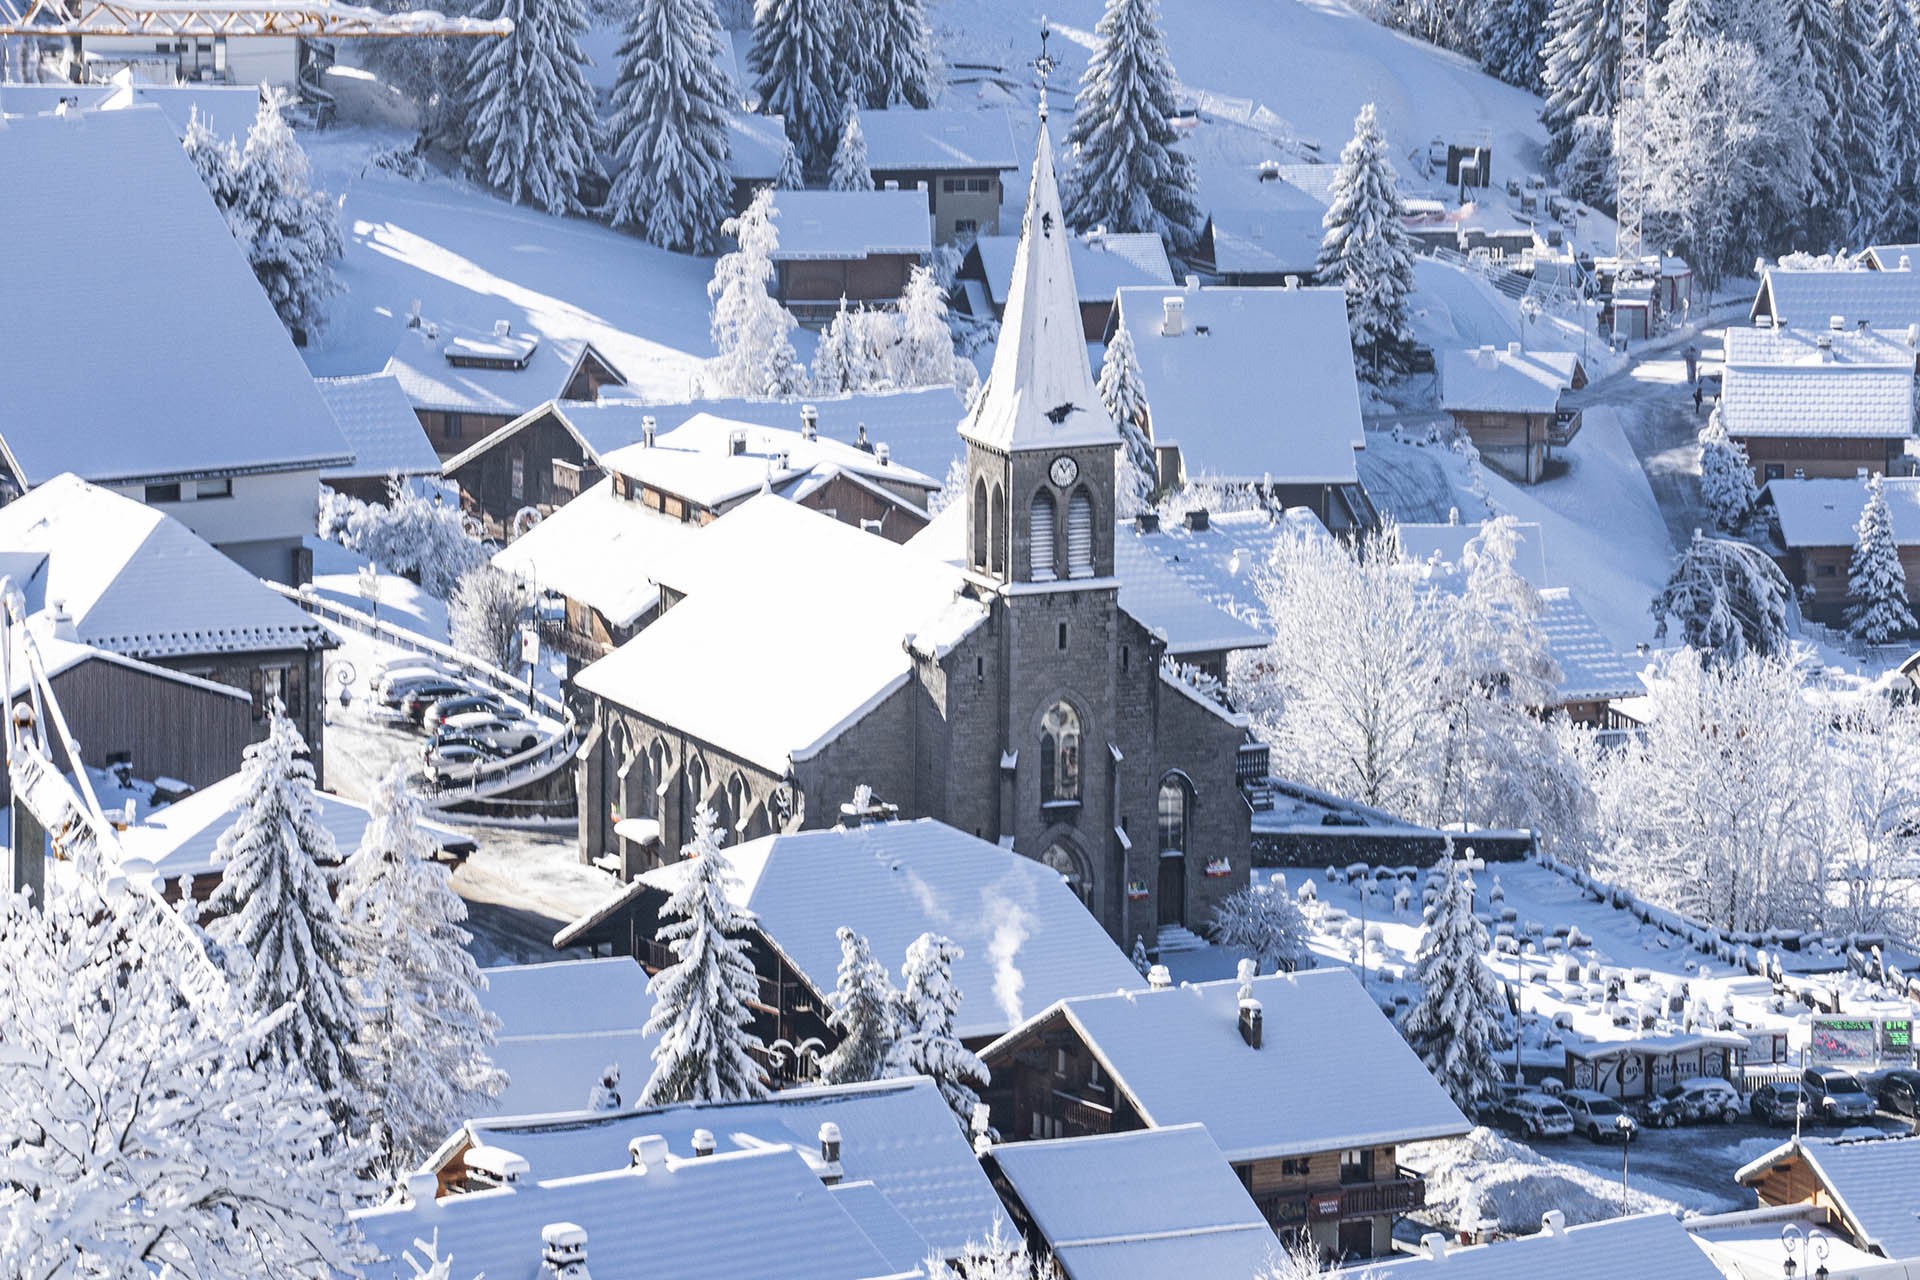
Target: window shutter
<point>1040,538</point>
<point>1080,536</point>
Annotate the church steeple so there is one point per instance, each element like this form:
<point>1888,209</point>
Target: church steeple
<point>1040,393</point>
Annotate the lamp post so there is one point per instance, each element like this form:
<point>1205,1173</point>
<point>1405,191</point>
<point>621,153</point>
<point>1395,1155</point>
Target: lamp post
<point>1624,1123</point>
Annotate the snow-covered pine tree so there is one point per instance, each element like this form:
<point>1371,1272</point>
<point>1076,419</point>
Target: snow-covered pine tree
<point>424,1034</point>
<point>1139,954</point>
<point>418,531</point>
<point>1896,51</point>
<point>751,330</point>
<point>1512,39</point>
<point>927,1044</point>
<point>924,356</point>
<point>863,1012</point>
<point>1455,1025</point>
<point>484,614</point>
<point>1264,921</point>
<point>840,364</point>
<point>1368,253</point>
<point>1002,1255</point>
<point>1127,174</point>
<point>217,161</point>
<point>295,237</point>
<point>1859,94</point>
<point>141,1138</point>
<point>702,1001</point>
<point>671,107</point>
<point>848,171</point>
<point>274,905</point>
<point>1123,391</point>
<point>901,67</point>
<point>532,131</point>
<point>1875,579</point>
<point>1729,599</point>
<point>1497,647</point>
<point>1843,85</point>
<point>798,71</point>
<point>1580,71</point>
<point>790,177</point>
<point>1726,476</point>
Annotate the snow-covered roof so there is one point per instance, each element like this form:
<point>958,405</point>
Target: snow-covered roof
<point>1829,400</point>
<point>1886,257</point>
<point>380,426</point>
<point>1040,392</point>
<point>226,109</point>
<point>896,1135</point>
<point>1178,1054</point>
<point>179,839</point>
<point>1875,1182</point>
<point>695,460</point>
<point>1196,588</point>
<point>838,225</point>
<point>1153,1202</point>
<point>424,364</point>
<point>562,1023</point>
<point>1766,344</point>
<point>795,656</point>
<point>44,99</point>
<point>744,1215</point>
<point>939,140</point>
<point>1266,219</point>
<point>1823,512</point>
<point>604,551</point>
<point>1102,264</point>
<point>758,146</point>
<point>1446,546</point>
<point>1028,940</point>
<point>123,363</point>
<point>1653,1244</point>
<point>1591,668</point>
<point>137,581</point>
<point>1809,299</point>
<point>1257,385</point>
<point>1509,379</point>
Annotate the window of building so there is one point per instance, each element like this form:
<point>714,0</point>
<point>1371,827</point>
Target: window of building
<point>1126,656</point>
<point>1060,754</point>
<point>622,486</point>
<point>1040,519</point>
<point>517,477</point>
<point>163,493</point>
<point>997,532</point>
<point>204,489</point>
<point>1061,641</point>
<point>453,426</point>
<point>979,524</point>
<point>966,226</point>
<point>1176,799</point>
<point>1063,862</point>
<point>1080,535</point>
<point>1356,1166</point>
<point>1826,571</point>
<point>1297,1167</point>
<point>1776,471</point>
<point>277,684</point>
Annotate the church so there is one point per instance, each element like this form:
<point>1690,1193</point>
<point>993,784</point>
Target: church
<point>986,673</point>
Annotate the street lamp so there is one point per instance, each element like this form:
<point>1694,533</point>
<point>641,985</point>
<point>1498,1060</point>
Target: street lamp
<point>1624,1124</point>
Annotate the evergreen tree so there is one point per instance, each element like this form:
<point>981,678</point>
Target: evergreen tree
<point>840,362</point>
<point>532,134</point>
<point>424,1035</point>
<point>751,330</point>
<point>605,1093</point>
<point>1726,476</point>
<point>1875,579</point>
<point>1513,38</point>
<point>671,106</point>
<point>702,1001</point>
<point>1896,51</point>
<point>924,356</point>
<point>900,64</point>
<point>1580,71</point>
<point>1859,94</point>
<point>1729,598</point>
<point>1127,176</point>
<point>1455,1025</point>
<point>289,230</point>
<point>1845,107</point>
<point>863,1012</point>
<point>927,1045</point>
<point>1495,643</point>
<point>217,162</point>
<point>790,177</point>
<point>1123,393</point>
<point>274,905</point>
<point>798,70</point>
<point>1368,253</point>
<point>849,171</point>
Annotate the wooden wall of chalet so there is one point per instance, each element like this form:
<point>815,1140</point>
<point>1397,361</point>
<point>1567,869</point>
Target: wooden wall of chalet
<point>1825,569</point>
<point>592,374</point>
<point>809,286</point>
<point>1514,444</point>
<point>487,481</point>
<point>1817,457</point>
<point>449,433</point>
<point>851,503</point>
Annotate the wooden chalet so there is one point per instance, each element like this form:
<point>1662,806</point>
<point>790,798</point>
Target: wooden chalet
<point>857,245</point>
<point>1821,402</point>
<point>1814,524</point>
<point>465,384</point>
<point>1511,403</point>
<point>960,158</point>
<point>1869,1188</point>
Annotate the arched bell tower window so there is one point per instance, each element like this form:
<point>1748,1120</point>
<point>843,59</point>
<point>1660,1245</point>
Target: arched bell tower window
<point>1060,754</point>
<point>1080,535</point>
<point>980,524</point>
<point>997,531</point>
<point>1040,535</point>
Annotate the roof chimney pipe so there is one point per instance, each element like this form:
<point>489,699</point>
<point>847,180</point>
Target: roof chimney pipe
<point>1159,977</point>
<point>736,443</point>
<point>563,1251</point>
<point>1836,323</point>
<point>702,1142</point>
<point>648,1151</point>
<point>1173,316</point>
<point>1251,1016</point>
<point>809,422</point>
<point>830,1153</point>
<point>647,428</point>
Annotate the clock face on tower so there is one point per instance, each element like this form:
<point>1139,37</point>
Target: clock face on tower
<point>1063,471</point>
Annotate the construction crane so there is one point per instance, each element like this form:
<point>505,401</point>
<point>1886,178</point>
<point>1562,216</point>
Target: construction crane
<point>231,19</point>
<point>1630,137</point>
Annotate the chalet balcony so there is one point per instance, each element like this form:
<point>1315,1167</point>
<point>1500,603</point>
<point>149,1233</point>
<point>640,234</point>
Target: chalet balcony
<point>1402,1193</point>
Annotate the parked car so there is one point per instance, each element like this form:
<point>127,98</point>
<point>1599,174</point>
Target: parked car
<point>409,666</point>
<point>451,757</point>
<point>501,734</point>
<point>1779,1104</point>
<point>1693,1101</point>
<point>1834,1094</point>
<point>1898,1091</point>
<point>1535,1115</point>
<point>395,689</point>
<point>459,705</point>
<point>421,696</point>
<point>1598,1116</point>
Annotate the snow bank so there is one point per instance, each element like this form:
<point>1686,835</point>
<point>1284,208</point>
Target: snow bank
<point>1485,1176</point>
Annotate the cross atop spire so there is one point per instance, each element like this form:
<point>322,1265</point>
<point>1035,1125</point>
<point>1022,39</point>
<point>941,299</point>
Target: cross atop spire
<point>1040,393</point>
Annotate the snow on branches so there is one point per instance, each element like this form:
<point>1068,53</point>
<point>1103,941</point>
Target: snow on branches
<point>927,1044</point>
<point>417,533</point>
<point>751,330</point>
<point>1729,599</point>
<point>797,65</point>
<point>671,106</point>
<point>1264,921</point>
<point>532,131</point>
<point>484,614</point>
<point>848,171</point>
<point>1123,393</point>
<point>1455,1025</point>
<point>1875,579</point>
<point>1368,253</point>
<point>864,1011</point>
<point>1726,476</point>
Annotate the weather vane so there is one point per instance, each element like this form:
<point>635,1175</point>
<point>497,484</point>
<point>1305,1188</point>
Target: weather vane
<point>1044,64</point>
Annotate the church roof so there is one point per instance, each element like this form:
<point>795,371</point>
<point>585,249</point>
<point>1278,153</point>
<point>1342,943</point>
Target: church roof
<point>1040,392</point>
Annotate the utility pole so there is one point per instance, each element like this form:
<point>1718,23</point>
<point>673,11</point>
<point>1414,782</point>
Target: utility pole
<point>1630,137</point>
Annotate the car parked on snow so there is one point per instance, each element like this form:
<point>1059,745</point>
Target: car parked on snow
<point>1535,1115</point>
<point>1779,1104</point>
<point>1598,1116</point>
<point>501,734</point>
<point>419,697</point>
<point>1835,1095</point>
<point>1693,1101</point>
<point>1898,1091</point>
<point>460,705</point>
<point>447,758</point>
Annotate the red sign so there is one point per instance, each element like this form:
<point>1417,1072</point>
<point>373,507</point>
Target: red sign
<point>1322,1207</point>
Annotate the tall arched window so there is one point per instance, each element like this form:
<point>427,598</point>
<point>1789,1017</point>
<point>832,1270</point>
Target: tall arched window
<point>997,533</point>
<point>659,761</point>
<point>1060,754</point>
<point>1040,520</point>
<point>1080,535</point>
<point>739,805</point>
<point>615,763</point>
<point>980,524</point>
<point>1176,805</point>
<point>1066,863</point>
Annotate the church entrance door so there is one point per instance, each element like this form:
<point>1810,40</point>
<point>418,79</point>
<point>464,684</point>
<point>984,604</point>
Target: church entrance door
<point>1172,897</point>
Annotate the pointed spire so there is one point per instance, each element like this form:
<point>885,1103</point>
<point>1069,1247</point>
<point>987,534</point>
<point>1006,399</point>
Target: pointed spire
<point>1040,393</point>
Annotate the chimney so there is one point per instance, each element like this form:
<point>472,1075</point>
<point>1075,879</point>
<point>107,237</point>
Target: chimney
<point>423,1186</point>
<point>1197,520</point>
<point>494,1167</point>
<point>1193,284</point>
<point>830,1153</point>
<point>892,184</point>
<point>1913,335</point>
<point>1173,317</point>
<point>782,461</point>
<point>882,454</point>
<point>702,1142</point>
<point>648,1151</point>
<point>1293,282</point>
<point>1906,263</point>
<point>1147,522</point>
<point>1860,474</point>
<point>413,315</point>
<point>1250,1019</point>
<point>1825,343</point>
<point>1514,348</point>
<point>563,1251</point>
<point>1799,473</point>
<point>647,427</point>
<point>1159,977</point>
<point>63,628</point>
<point>501,328</point>
<point>1836,323</point>
<point>809,422</point>
<point>1554,1223</point>
<point>1435,1245</point>
<point>736,443</point>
